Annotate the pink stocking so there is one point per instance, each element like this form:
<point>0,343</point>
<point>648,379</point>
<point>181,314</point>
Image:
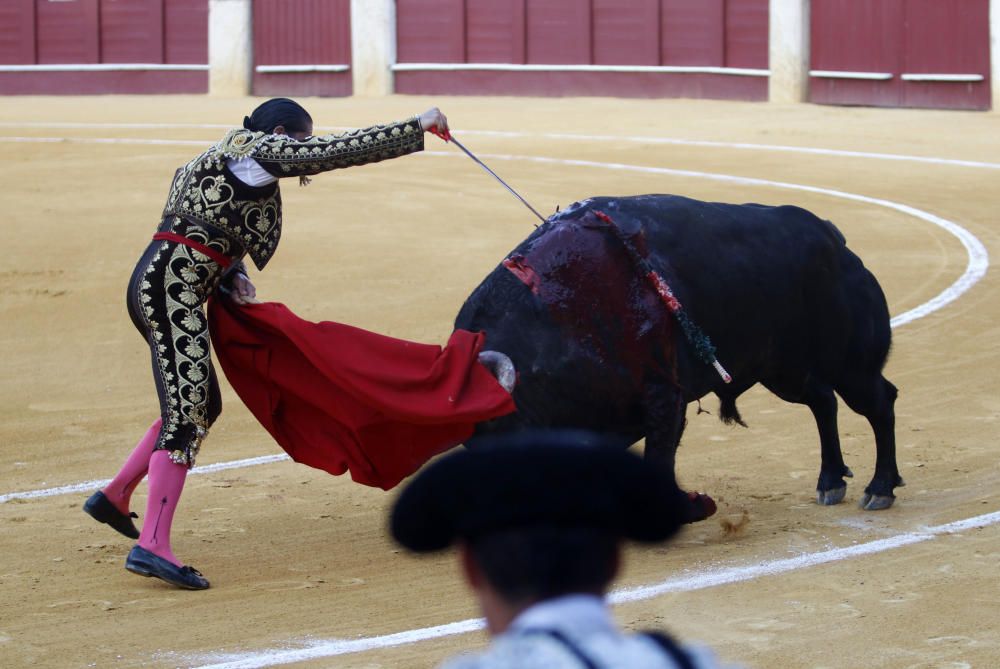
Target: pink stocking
<point>120,490</point>
<point>166,481</point>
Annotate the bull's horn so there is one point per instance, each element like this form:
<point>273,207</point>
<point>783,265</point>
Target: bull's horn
<point>501,367</point>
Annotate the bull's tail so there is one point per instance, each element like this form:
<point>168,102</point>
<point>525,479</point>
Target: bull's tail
<point>728,413</point>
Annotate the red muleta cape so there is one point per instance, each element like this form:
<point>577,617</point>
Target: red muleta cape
<point>339,398</point>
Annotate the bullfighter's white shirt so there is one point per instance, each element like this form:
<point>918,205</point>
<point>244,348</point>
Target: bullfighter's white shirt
<point>585,622</point>
<point>250,172</point>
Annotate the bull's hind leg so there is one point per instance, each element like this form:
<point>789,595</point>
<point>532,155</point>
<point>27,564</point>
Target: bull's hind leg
<point>665,412</point>
<point>831,486</point>
<point>875,398</point>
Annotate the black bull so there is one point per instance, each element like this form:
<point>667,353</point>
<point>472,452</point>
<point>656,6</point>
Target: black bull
<point>776,289</point>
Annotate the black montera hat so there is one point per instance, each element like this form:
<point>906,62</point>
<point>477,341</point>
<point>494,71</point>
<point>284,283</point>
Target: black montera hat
<point>537,479</point>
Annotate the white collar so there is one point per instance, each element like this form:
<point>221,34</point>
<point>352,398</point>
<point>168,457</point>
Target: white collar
<point>583,613</point>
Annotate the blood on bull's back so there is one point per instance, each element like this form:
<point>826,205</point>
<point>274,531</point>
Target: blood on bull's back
<point>581,326</point>
<point>776,290</point>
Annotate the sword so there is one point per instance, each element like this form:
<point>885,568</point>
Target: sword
<point>447,136</point>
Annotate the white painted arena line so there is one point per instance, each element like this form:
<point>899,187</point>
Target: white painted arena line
<point>707,579</point>
<point>978,257</point>
<point>978,263</point>
<point>111,126</point>
<point>90,486</point>
<point>676,141</point>
<point>741,146</point>
<point>107,140</point>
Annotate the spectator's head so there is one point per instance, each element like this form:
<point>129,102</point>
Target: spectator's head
<point>537,515</point>
<point>280,116</point>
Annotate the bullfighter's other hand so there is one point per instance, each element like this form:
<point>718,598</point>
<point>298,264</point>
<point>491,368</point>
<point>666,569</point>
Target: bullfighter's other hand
<point>434,121</point>
<point>243,291</point>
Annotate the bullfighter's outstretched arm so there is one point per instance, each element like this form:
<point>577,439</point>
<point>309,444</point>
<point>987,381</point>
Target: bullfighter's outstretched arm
<point>284,156</point>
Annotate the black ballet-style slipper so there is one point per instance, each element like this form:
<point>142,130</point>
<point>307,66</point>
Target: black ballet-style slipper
<point>143,562</point>
<point>100,508</point>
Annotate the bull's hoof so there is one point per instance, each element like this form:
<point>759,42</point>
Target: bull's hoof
<point>831,497</point>
<point>870,502</point>
<point>700,507</point>
<point>831,487</point>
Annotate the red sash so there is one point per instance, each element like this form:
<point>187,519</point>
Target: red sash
<point>200,248</point>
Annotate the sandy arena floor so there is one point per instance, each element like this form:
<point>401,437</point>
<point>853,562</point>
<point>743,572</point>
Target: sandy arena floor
<point>301,560</point>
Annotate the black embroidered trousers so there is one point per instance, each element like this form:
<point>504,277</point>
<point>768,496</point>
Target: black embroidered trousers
<point>166,297</point>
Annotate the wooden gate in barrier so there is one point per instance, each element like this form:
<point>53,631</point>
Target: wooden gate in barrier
<point>103,46</point>
<point>901,53</point>
<point>302,47</point>
<point>640,48</point>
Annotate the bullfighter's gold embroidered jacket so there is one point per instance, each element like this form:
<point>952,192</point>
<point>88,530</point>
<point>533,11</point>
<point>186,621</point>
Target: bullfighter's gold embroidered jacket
<point>205,192</point>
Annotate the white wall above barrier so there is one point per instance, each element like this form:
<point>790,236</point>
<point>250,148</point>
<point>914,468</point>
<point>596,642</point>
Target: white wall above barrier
<point>788,50</point>
<point>373,46</point>
<point>995,53</point>
<point>230,47</point>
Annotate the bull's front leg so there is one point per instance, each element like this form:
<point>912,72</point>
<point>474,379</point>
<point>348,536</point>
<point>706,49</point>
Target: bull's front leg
<point>665,411</point>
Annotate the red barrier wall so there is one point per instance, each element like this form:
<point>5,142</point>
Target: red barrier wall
<point>293,34</point>
<point>186,25</point>
<point>618,33</point>
<point>909,53</point>
<point>903,39</point>
<point>87,39</point>
<point>17,32</point>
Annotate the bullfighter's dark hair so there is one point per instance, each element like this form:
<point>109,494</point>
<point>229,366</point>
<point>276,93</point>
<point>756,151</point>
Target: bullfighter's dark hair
<point>278,111</point>
<point>538,563</point>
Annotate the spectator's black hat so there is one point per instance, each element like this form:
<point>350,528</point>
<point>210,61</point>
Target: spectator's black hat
<point>537,479</point>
